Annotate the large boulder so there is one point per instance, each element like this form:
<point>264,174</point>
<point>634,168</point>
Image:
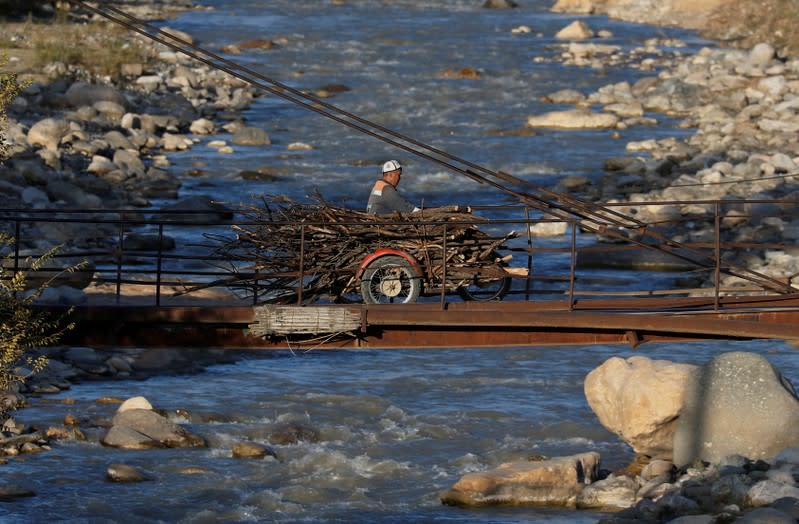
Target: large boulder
<point>554,482</point>
<point>737,403</point>
<point>639,399</point>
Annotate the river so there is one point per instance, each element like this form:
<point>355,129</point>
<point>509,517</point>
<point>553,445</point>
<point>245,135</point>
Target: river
<point>391,428</point>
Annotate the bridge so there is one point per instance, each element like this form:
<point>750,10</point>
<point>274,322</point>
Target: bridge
<point>159,279</point>
<point>140,290</point>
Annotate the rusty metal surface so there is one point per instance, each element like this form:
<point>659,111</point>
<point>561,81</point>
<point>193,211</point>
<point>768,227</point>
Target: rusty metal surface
<point>461,324</point>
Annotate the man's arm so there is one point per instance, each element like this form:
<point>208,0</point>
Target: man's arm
<point>393,200</point>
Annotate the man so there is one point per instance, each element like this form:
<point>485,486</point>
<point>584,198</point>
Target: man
<point>385,198</point>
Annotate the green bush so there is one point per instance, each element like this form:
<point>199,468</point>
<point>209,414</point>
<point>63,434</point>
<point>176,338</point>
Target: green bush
<point>22,327</point>
<point>9,89</point>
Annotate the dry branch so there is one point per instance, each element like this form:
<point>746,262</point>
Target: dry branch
<point>281,242</point>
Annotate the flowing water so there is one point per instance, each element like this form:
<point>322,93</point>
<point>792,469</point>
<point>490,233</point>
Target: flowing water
<point>391,429</point>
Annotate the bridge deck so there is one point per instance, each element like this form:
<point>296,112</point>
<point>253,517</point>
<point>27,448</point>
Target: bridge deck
<point>456,324</point>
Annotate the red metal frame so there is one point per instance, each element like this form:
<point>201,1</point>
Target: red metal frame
<point>385,251</point>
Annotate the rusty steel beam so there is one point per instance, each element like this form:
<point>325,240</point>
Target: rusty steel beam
<point>459,324</point>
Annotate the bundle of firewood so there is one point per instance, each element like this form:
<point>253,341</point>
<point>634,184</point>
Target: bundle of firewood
<point>281,243</point>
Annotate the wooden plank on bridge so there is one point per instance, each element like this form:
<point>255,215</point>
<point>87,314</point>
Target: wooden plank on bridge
<point>293,320</point>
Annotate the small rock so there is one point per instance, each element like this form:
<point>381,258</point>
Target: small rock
<point>251,136</point>
<point>125,473</point>
<point>13,491</point>
<point>134,403</point>
<point>500,4</point>
<point>251,450</point>
<point>577,30</point>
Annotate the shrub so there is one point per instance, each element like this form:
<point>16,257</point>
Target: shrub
<point>9,89</point>
<point>22,327</point>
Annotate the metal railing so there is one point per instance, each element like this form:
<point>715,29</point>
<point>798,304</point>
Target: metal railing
<point>132,257</point>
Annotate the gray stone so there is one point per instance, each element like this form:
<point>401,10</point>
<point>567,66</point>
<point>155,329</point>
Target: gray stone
<point>556,481</point>
<point>614,492</point>
<point>124,437</point>
<point>72,195</point>
<point>251,136</point>
<point>202,126</point>
<point>15,491</point>
<point>676,503</point>
<point>175,142</point>
<point>101,165</point>
<point>129,161</point>
<point>120,365</point>
<point>83,94</point>
<point>34,197</point>
<point>787,456</point>
<point>766,492</point>
<point>499,4</point>
<point>693,519</point>
<point>657,468</point>
<point>157,428</point>
<point>48,133</point>
<point>143,122</point>
<point>565,96</point>
<point>117,140</point>
<point>761,55</point>
<point>81,354</point>
<point>134,403</point>
<point>656,488</point>
<point>125,473</point>
<point>738,403</point>
<point>731,489</point>
<point>577,30</point>
<point>110,110</point>
<point>251,450</point>
<point>766,516</point>
<point>573,119</point>
<point>788,505</point>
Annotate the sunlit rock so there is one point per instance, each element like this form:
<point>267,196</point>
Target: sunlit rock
<point>577,30</point>
<point>573,119</point>
<point>639,399</point>
<point>555,482</point>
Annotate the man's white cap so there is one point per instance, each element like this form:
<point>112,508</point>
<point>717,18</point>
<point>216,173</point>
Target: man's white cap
<point>391,165</point>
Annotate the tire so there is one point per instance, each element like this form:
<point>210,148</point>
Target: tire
<point>483,289</point>
<point>390,280</point>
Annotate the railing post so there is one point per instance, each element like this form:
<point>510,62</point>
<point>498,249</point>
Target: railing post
<point>573,265</point>
<point>528,284</point>
<point>717,248</point>
<point>255,288</point>
<point>120,255</point>
<point>159,264</point>
<point>302,265</point>
<point>17,234</point>
<point>444,270</point>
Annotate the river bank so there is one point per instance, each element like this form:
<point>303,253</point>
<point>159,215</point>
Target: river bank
<point>91,132</point>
